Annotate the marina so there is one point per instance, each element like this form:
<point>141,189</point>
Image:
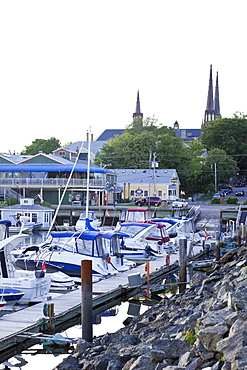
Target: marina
<point>36,323</point>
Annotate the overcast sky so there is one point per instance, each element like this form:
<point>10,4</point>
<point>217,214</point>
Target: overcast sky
<point>68,65</point>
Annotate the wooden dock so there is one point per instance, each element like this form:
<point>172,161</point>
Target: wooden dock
<point>16,328</point>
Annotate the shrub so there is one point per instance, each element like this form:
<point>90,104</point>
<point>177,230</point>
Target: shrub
<point>232,200</point>
<point>11,201</point>
<point>215,201</point>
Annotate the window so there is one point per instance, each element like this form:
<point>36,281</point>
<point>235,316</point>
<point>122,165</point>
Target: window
<point>46,217</point>
<point>132,193</point>
<point>159,193</point>
<point>145,193</point>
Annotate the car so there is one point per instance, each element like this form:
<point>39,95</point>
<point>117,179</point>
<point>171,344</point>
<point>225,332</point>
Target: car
<point>239,193</point>
<point>219,194</point>
<point>179,203</point>
<point>240,184</point>
<point>152,201</point>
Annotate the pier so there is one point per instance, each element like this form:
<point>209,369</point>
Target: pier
<point>19,329</point>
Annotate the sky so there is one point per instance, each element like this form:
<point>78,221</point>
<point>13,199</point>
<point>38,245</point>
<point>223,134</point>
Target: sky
<point>66,66</point>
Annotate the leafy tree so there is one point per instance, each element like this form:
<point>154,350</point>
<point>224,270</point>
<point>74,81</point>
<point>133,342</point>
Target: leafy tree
<point>221,165</point>
<point>46,146</point>
<point>171,152</point>
<point>128,150</point>
<point>230,135</point>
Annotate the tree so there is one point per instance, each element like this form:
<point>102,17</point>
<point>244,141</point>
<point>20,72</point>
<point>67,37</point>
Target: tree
<point>222,166</point>
<point>230,135</point>
<point>128,150</point>
<point>42,145</point>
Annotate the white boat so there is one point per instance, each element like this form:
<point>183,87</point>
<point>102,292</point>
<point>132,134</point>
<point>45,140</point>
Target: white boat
<point>87,218</point>
<point>35,285</point>
<point>143,240</point>
<point>63,251</point>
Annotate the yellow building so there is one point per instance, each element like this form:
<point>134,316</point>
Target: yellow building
<point>138,183</point>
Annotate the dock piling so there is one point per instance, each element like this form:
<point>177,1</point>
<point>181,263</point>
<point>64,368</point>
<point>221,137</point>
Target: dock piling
<point>86,300</point>
<point>182,263</point>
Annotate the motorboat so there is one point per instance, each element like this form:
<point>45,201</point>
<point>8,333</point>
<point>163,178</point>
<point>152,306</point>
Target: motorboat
<point>87,218</point>
<point>135,215</point>
<point>35,285</point>
<point>63,251</point>
<point>143,240</point>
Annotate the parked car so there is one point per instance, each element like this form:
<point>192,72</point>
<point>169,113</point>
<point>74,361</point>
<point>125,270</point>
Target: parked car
<point>153,201</point>
<point>240,184</point>
<point>179,203</point>
<point>239,193</point>
<point>219,194</point>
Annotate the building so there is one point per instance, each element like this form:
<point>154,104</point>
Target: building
<point>51,177</point>
<point>136,183</point>
<point>213,101</point>
<point>187,135</point>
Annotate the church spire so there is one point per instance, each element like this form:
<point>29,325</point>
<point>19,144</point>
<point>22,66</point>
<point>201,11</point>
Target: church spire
<point>138,113</point>
<point>209,112</point>
<point>216,98</point>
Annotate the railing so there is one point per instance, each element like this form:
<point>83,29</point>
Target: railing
<point>50,182</point>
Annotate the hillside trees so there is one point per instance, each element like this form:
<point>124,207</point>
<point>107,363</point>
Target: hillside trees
<point>230,135</point>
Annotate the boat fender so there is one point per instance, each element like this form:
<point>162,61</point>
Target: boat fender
<point>167,260</point>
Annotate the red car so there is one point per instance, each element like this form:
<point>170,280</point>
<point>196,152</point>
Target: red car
<point>153,201</point>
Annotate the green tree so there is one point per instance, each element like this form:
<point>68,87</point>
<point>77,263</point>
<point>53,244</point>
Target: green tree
<point>42,145</point>
<point>222,166</point>
<point>128,150</point>
<point>230,135</point>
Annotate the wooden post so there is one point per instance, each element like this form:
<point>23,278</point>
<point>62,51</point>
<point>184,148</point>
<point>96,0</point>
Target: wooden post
<point>147,268</point>
<point>217,248</point>
<point>182,263</point>
<point>86,300</point>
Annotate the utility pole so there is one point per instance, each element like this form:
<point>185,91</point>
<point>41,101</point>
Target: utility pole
<point>154,166</point>
<point>215,177</point>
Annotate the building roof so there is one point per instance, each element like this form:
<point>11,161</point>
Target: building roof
<point>109,133</point>
<point>187,134</point>
<point>94,146</point>
<point>145,176</point>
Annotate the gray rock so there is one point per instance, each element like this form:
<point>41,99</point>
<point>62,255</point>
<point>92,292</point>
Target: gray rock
<point>168,349</point>
<point>211,335</point>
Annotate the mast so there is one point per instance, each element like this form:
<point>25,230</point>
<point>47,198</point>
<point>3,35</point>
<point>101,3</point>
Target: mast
<point>88,168</point>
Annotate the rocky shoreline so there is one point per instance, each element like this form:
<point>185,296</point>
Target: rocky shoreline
<point>203,328</point>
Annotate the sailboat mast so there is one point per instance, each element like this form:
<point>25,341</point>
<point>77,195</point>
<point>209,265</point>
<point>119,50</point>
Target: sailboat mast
<point>88,168</point>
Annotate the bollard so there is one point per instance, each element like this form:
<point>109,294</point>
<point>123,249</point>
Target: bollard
<point>86,300</point>
<point>182,263</point>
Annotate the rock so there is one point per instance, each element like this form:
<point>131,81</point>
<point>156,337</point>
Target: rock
<point>211,335</point>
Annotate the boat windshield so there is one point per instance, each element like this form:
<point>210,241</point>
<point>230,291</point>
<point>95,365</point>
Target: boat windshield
<point>112,245</point>
<point>91,215</point>
<point>132,230</point>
